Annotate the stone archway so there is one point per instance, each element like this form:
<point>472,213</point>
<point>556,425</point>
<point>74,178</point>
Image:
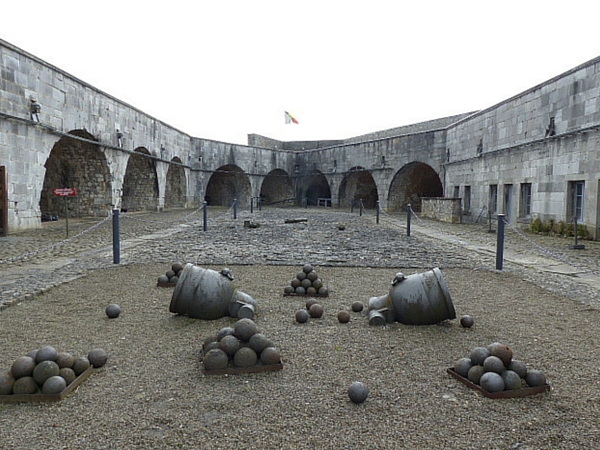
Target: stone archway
<point>81,165</point>
<point>410,184</point>
<point>140,185</point>
<point>358,184</point>
<point>313,187</point>
<point>226,184</point>
<point>175,189</point>
<point>277,188</point>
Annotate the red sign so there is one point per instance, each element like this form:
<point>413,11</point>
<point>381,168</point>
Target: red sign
<point>65,192</point>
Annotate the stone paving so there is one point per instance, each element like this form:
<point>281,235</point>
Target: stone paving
<point>36,260</point>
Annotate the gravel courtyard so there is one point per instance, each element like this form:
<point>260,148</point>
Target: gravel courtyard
<point>153,394</point>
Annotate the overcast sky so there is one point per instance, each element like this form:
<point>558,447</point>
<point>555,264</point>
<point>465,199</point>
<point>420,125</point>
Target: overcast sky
<point>223,69</point>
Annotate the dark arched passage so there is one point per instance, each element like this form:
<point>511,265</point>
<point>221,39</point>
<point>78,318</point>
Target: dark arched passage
<point>313,187</point>
<point>358,184</point>
<point>411,183</point>
<point>226,184</point>
<point>73,163</point>
<point>277,188</point>
<point>140,186</point>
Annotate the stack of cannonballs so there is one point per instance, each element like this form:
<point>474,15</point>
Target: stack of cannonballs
<point>494,369</point>
<point>241,346</point>
<point>307,282</point>
<point>171,276</point>
<point>313,309</point>
<point>47,371</point>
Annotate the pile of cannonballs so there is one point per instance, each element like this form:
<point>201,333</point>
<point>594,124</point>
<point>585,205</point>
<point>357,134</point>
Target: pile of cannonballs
<point>313,309</point>
<point>172,275</point>
<point>47,371</point>
<point>494,369</point>
<point>240,346</point>
<point>307,282</point>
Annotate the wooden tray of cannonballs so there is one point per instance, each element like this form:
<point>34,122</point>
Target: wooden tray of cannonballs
<point>306,295</point>
<point>20,398</point>
<point>232,370</point>
<point>514,393</point>
<point>166,285</point>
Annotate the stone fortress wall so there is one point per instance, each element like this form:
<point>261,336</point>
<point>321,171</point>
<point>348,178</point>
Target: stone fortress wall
<point>535,168</point>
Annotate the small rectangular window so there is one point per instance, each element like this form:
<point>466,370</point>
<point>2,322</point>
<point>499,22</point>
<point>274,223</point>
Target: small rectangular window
<point>576,200</point>
<point>493,203</point>
<point>456,191</point>
<point>525,201</point>
<point>467,199</point>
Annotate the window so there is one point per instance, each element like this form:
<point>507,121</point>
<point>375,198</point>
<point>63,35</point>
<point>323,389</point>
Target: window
<point>456,191</point>
<point>576,201</point>
<point>525,201</point>
<point>467,199</point>
<point>493,203</point>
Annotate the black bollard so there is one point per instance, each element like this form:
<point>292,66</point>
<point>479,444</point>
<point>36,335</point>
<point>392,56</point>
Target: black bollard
<point>205,216</point>
<point>251,205</point>
<point>234,208</point>
<point>378,211</point>
<point>116,237</point>
<point>408,214</point>
<point>362,207</point>
<point>500,242</point>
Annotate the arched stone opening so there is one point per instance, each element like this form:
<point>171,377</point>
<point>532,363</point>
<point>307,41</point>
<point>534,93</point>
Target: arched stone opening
<point>140,185</point>
<point>277,188</point>
<point>358,184</point>
<point>314,187</point>
<point>227,184</point>
<point>410,184</point>
<point>175,189</point>
<point>81,165</point>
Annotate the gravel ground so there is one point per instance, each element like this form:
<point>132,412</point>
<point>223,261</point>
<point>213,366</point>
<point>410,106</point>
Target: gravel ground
<point>153,393</point>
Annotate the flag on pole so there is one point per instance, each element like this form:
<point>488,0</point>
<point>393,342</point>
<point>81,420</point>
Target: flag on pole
<point>289,118</point>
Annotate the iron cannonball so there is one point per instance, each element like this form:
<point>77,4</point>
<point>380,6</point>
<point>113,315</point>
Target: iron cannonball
<point>341,227</point>
<point>22,367</point>
<point>177,267</point>
<point>229,344</point>
<point>317,284</point>
<point>311,291</point>
<point>64,359</point>
<point>170,273</point>
<point>245,357</point>
<point>358,392</point>
<point>32,353</point>
<point>25,385</point>
<point>97,357</point>
<point>357,306</point>
<point>343,317</point>
<point>245,329</point>
<point>323,291</point>
<point>210,346</point>
<point>7,382</point>
<point>209,339</point>
<point>225,331</point>
<point>67,374</point>
<point>45,370</point>
<point>270,355</point>
<point>174,279</point>
<point>295,283</point>
<point>466,321</point>
<point>475,373</point>
<point>300,290</point>
<point>519,367</point>
<point>163,279</point>
<point>54,385</point>
<point>289,289</point>
<point>503,352</point>
<point>306,283</point>
<point>80,365</point>
<point>316,311</point>
<point>258,342</point>
<point>478,355</point>
<point>493,364</point>
<point>492,382</point>
<point>113,310</point>
<point>47,353</point>
<point>215,359</point>
<point>535,378</point>
<point>312,276</point>
<point>462,367</point>
<point>512,380</point>
<point>301,316</point>
<point>307,268</point>
<point>301,275</point>
<point>310,302</point>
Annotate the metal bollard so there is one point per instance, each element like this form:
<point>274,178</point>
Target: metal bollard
<point>362,207</point>
<point>378,211</point>
<point>251,205</point>
<point>116,237</point>
<point>408,214</point>
<point>205,216</point>
<point>234,208</point>
<point>500,242</point>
